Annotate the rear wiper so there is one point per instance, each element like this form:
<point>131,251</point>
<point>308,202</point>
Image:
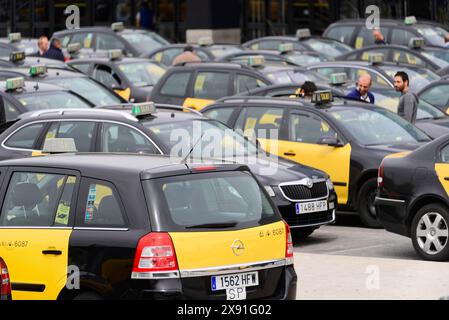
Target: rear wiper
<point>218,225</point>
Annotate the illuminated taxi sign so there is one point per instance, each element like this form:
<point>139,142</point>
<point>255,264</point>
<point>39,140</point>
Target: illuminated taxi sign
<point>205,41</point>
<point>17,56</point>
<point>303,33</point>
<point>15,83</point>
<point>410,20</point>
<point>416,43</point>
<point>15,37</point>
<point>339,78</point>
<point>256,61</point>
<point>115,54</point>
<point>376,58</point>
<point>74,47</point>
<point>38,70</point>
<point>322,97</point>
<point>118,26</point>
<point>59,146</point>
<point>286,47</point>
<point>143,109</point>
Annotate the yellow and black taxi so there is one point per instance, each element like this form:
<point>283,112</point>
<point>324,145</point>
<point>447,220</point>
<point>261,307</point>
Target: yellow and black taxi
<point>19,59</point>
<point>132,42</point>
<point>305,196</point>
<point>341,138</point>
<point>90,89</point>
<point>413,197</point>
<point>115,226</point>
<point>302,41</point>
<point>132,78</point>
<point>196,85</point>
<point>14,42</point>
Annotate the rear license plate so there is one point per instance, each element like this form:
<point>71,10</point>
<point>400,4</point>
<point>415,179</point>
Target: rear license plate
<point>311,207</point>
<point>234,281</point>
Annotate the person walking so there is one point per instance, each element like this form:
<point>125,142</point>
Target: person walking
<point>55,51</point>
<point>361,92</point>
<point>408,103</point>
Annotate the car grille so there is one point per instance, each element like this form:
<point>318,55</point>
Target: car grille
<point>316,218</point>
<point>300,192</point>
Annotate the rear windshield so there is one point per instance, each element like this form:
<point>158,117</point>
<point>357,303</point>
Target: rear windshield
<point>52,100</point>
<point>220,200</point>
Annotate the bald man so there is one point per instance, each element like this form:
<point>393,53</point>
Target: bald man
<point>361,92</point>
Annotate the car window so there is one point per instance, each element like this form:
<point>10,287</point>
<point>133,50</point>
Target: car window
<point>222,114</point>
<point>211,85</point>
<point>176,84</point>
<point>308,128</point>
<point>166,57</point>
<point>365,56</point>
<point>34,200</point>
<point>108,42</point>
<point>52,100</point>
<point>401,37</point>
<point>4,52</point>
<point>402,56</point>
<point>25,138</point>
<point>364,38</point>
<point>244,83</point>
<point>341,33</point>
<point>106,76</point>
<point>142,74</point>
<point>84,39</point>
<point>437,96</point>
<point>83,67</point>
<point>260,122</point>
<point>445,154</point>
<point>11,112</point>
<point>119,138</point>
<point>81,132</point>
<point>101,206</point>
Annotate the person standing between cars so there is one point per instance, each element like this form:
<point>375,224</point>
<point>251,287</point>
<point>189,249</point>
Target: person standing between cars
<point>361,92</point>
<point>408,103</point>
<point>187,56</point>
<point>379,37</point>
<point>307,90</point>
<point>55,51</point>
<point>145,16</point>
<point>42,44</point>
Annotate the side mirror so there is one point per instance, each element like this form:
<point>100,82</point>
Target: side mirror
<point>118,87</point>
<point>331,142</point>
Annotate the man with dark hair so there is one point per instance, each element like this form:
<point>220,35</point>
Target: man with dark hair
<point>187,56</point>
<point>55,51</point>
<point>408,103</point>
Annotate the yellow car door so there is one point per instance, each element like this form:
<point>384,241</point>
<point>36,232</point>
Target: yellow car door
<point>35,233</point>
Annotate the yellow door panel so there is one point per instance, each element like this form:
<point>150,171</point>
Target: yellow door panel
<point>442,170</point>
<point>22,250</point>
<point>260,244</point>
<point>197,104</point>
<point>332,160</point>
<point>125,94</point>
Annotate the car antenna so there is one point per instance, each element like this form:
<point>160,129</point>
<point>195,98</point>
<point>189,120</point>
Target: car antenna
<point>184,161</point>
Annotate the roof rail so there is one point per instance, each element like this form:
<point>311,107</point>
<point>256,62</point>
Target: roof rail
<point>246,99</point>
<point>179,108</point>
<point>61,112</point>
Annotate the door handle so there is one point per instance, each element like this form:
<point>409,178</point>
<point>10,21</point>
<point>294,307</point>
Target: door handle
<point>290,154</point>
<point>446,178</point>
<point>52,252</point>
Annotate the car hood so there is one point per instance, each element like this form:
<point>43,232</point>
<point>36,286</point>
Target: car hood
<point>434,128</point>
<point>396,147</point>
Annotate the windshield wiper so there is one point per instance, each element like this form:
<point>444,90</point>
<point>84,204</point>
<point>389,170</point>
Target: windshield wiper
<point>218,225</point>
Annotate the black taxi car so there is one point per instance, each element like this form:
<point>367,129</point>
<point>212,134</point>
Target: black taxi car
<point>413,197</point>
<point>131,78</point>
<point>114,226</point>
<point>14,42</point>
<point>19,59</point>
<point>305,196</point>
<point>341,138</point>
<point>437,94</point>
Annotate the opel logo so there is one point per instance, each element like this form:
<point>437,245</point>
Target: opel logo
<point>309,183</point>
<point>238,248</point>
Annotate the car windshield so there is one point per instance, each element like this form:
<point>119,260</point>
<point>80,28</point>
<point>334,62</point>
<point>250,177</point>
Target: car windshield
<point>419,77</point>
<point>431,35</point>
<point>364,126</point>
<point>436,53</point>
<point>89,89</point>
<point>439,61</point>
<point>52,100</point>
<point>29,47</point>
<point>143,74</point>
<point>145,42</point>
<point>330,48</point>
<point>217,140</point>
<point>220,51</point>
<point>292,76</point>
<point>304,59</point>
<point>216,200</point>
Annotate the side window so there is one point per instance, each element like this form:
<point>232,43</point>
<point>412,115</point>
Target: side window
<point>261,122</point>
<point>354,74</point>
<point>84,39</point>
<point>211,85</point>
<point>81,132</point>
<point>327,71</point>
<point>401,37</point>
<point>108,42</point>
<point>4,52</point>
<point>176,84</point>
<point>106,76</point>
<point>82,67</point>
<point>445,154</point>
<point>364,38</point>
<point>307,128</point>
<point>342,34</point>
<point>268,45</point>
<point>26,137</point>
<point>244,83</point>
<point>365,56</point>
<point>407,57</point>
<point>222,114</point>
<point>101,207</point>
<point>11,112</point>
<point>438,96</point>
<point>119,138</point>
<point>168,56</point>
<point>37,200</point>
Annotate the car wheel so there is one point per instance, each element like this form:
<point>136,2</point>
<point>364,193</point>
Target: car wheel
<point>302,233</point>
<point>366,208</point>
<point>430,232</point>
<point>88,295</point>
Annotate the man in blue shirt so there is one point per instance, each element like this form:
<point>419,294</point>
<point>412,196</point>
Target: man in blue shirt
<point>361,92</point>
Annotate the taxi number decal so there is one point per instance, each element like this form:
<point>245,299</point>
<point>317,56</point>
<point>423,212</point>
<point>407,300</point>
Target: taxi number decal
<point>15,244</point>
<point>274,232</point>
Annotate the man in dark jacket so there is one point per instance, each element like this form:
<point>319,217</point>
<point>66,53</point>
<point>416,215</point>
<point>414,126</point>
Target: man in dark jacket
<point>361,92</point>
<point>55,52</point>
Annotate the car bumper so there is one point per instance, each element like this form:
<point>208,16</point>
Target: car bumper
<point>392,214</point>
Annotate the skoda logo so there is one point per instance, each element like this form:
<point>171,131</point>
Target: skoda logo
<point>238,248</point>
<point>309,183</point>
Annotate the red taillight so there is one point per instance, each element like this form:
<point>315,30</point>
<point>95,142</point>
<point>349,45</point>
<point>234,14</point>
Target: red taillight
<point>380,176</point>
<point>5,282</point>
<point>155,254</point>
<point>288,245</point>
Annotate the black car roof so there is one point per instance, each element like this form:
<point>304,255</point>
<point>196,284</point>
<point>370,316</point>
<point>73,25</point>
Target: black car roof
<point>51,72</point>
<point>32,87</point>
<point>107,60</point>
<point>100,29</point>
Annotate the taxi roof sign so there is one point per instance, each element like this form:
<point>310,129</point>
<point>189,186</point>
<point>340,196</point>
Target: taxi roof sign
<point>38,70</point>
<point>15,37</point>
<point>286,47</point>
<point>15,83</point>
<point>118,26</point>
<point>256,61</point>
<point>205,41</point>
<point>322,97</point>
<point>410,20</point>
<point>376,58</point>
<point>115,54</point>
<point>74,47</point>
<point>416,43</point>
<point>303,33</point>
<point>17,56</point>
<point>338,78</point>
<point>66,145</point>
<point>143,109</point>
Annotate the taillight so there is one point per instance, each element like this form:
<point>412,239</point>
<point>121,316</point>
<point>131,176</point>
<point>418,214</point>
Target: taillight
<point>288,245</point>
<point>155,256</point>
<point>380,176</point>
<point>5,282</point>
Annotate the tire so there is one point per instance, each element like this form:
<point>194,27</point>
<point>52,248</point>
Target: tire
<point>365,200</point>
<point>430,237</point>
<point>88,295</point>
<point>302,233</point>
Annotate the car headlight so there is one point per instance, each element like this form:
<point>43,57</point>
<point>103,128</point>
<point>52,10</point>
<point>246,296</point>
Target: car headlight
<point>330,184</point>
<point>270,191</point>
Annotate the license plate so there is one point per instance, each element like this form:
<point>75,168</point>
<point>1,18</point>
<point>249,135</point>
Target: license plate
<point>234,281</point>
<point>311,207</point>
